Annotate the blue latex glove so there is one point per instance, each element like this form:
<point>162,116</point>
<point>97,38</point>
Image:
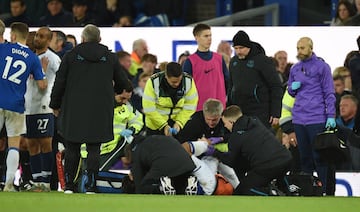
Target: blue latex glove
<point>330,123</point>
<point>210,150</point>
<point>126,133</point>
<point>295,85</point>
<point>173,131</point>
<point>215,140</point>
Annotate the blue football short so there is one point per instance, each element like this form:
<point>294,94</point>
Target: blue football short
<point>39,125</point>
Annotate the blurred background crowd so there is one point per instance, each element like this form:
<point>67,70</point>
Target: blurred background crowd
<point>119,13</point>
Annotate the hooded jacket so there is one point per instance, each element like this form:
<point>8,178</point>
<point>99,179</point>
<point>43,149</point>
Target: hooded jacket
<point>84,93</point>
<point>255,85</point>
<point>161,102</point>
<point>286,113</point>
<point>158,156</point>
<point>315,99</point>
<point>253,147</point>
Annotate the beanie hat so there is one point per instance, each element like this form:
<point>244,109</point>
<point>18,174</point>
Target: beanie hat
<point>241,39</point>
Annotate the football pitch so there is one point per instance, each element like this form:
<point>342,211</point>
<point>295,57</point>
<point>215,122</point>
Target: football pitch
<point>57,201</point>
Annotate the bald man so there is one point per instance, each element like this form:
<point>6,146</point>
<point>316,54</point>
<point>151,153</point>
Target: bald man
<point>40,120</point>
<point>310,82</point>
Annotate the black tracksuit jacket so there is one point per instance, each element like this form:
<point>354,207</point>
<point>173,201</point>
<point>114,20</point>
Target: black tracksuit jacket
<point>255,85</point>
<point>253,147</point>
<point>158,156</point>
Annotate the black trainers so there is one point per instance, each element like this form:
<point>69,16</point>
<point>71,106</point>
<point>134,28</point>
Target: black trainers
<point>2,185</point>
<point>68,191</point>
<point>90,186</point>
<point>166,186</point>
<point>275,190</point>
<point>69,188</point>
<point>26,185</point>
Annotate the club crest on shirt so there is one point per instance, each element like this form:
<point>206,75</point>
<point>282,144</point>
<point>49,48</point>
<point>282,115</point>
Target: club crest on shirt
<point>250,64</point>
<point>240,132</point>
<point>79,57</point>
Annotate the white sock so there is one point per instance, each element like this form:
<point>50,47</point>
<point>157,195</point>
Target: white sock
<point>12,163</point>
<point>204,175</point>
<point>198,147</point>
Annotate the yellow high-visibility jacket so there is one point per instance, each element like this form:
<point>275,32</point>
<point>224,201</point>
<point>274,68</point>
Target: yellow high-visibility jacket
<point>158,104</point>
<point>287,105</point>
<point>135,64</point>
<point>125,117</point>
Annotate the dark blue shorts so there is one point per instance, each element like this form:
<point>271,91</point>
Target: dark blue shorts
<point>39,125</point>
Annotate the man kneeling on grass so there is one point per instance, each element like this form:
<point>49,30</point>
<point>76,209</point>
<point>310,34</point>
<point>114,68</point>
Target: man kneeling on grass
<point>159,164</point>
<point>254,152</point>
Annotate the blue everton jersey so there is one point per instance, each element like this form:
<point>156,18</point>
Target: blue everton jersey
<point>17,62</point>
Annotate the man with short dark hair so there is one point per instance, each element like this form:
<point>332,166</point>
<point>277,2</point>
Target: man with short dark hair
<point>207,68</point>
<point>125,61</point>
<point>56,15</point>
<point>80,13</point>
<point>339,85</point>
<point>19,63</point>
<point>254,150</point>
<point>82,98</point>
<point>148,65</point>
<point>18,13</point>
<point>169,100</point>
<point>59,44</point>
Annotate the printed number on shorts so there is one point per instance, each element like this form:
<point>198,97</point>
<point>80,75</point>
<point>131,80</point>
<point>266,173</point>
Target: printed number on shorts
<point>14,77</point>
<point>42,124</point>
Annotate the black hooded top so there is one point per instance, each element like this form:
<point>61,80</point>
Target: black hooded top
<point>255,85</point>
<point>253,147</point>
<point>84,93</point>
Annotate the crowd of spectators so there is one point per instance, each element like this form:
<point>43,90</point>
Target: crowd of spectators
<point>124,13</point>
<point>77,13</point>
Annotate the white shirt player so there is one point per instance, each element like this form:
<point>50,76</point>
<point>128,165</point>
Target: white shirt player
<point>37,101</point>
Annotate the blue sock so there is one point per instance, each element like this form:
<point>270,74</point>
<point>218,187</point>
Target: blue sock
<point>35,162</point>
<point>47,163</point>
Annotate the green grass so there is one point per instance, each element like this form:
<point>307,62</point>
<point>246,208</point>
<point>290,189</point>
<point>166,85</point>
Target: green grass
<point>57,201</point>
